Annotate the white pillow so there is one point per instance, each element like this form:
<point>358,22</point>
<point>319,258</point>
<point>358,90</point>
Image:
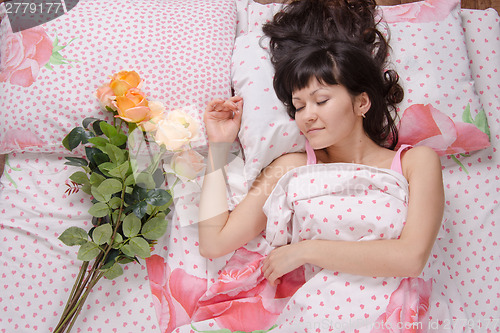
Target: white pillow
<point>429,53</point>
<point>266,129</point>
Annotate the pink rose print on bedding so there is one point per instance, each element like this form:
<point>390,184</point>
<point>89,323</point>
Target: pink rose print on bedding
<point>23,55</point>
<point>408,308</point>
<point>242,299</point>
<point>175,293</point>
<point>20,139</point>
<point>419,12</point>
<point>425,125</point>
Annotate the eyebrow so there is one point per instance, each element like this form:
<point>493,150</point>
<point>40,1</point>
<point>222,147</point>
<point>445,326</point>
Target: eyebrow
<point>312,93</point>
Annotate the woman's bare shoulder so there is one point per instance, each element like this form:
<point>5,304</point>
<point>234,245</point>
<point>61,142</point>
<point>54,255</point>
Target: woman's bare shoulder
<point>285,163</point>
<point>421,159</point>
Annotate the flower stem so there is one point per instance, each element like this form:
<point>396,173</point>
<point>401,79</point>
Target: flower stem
<point>82,299</point>
<point>76,286</point>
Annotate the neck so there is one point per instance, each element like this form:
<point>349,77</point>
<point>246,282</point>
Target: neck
<point>361,150</point>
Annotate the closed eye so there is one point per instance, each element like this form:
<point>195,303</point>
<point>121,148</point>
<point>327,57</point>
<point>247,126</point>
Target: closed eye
<point>322,102</point>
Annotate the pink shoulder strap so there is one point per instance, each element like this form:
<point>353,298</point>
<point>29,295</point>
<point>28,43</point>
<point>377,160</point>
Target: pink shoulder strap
<point>311,156</point>
<point>396,162</point>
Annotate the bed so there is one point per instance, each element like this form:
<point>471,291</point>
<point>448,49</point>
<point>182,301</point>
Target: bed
<point>212,50</point>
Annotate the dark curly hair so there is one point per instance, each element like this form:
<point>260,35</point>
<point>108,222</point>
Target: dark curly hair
<point>336,42</point>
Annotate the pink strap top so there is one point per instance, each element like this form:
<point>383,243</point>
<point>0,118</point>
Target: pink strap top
<point>395,165</point>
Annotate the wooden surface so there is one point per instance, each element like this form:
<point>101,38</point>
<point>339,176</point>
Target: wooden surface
<point>472,4</point>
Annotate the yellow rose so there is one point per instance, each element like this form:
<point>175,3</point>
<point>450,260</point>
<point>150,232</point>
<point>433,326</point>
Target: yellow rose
<point>122,81</point>
<point>133,107</point>
<point>187,164</point>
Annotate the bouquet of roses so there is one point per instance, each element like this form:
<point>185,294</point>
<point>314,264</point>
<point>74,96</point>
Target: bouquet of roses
<point>122,171</point>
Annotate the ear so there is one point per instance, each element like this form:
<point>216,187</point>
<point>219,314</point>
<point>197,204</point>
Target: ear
<point>362,103</point>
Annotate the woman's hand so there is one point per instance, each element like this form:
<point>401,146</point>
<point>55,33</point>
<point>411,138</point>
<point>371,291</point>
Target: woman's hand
<point>223,119</point>
<point>282,260</point>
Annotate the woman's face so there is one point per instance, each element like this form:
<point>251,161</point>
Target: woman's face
<point>327,114</point>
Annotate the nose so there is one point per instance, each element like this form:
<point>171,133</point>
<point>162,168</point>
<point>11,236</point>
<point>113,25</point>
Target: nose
<point>309,113</point>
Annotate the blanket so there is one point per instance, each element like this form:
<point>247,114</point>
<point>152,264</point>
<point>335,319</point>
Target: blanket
<point>325,201</point>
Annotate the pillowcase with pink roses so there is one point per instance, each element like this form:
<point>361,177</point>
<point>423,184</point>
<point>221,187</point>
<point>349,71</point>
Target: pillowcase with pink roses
<point>441,108</point>
<point>50,73</point>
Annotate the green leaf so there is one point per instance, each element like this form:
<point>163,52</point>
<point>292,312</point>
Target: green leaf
<point>119,139</point>
<point>102,234</point>
<point>130,180</point>
<point>74,138</point>
<point>79,177</point>
<point>131,226</point>
<point>115,202</point>
<point>120,171</point>
<point>88,251</point>
<point>114,153</point>
<point>140,247</point>
<point>73,236</point>
<point>114,271</point>
<point>108,130</point>
<point>106,166</point>
<point>466,116</point>
<point>96,156</point>
<point>454,158</point>
<point>128,250</point>
<point>99,209</point>
<point>99,141</point>
<point>97,127</point>
<point>96,179</point>
<point>145,180</point>
<point>99,196</point>
<point>481,122</point>
<point>154,228</point>
<point>76,161</point>
<point>139,193</point>
<point>158,197</point>
<point>88,121</point>
<point>87,188</point>
<point>117,241</point>
<point>140,209</point>
<point>110,186</point>
<point>110,259</point>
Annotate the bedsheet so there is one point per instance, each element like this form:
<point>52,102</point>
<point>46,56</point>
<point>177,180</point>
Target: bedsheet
<point>162,292</point>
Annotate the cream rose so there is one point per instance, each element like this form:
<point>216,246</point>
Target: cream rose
<point>105,96</point>
<point>174,136</point>
<point>181,117</point>
<point>187,164</point>
<point>156,114</point>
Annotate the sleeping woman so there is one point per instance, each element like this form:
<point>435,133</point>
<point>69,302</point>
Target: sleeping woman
<point>356,218</point>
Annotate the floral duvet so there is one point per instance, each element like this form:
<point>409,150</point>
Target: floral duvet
<point>325,201</point>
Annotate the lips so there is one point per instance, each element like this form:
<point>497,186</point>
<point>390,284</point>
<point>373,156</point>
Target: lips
<point>312,130</point>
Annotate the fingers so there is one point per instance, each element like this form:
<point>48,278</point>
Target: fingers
<point>271,273</point>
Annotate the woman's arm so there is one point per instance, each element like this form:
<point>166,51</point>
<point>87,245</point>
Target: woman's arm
<point>220,231</point>
<point>405,256</point>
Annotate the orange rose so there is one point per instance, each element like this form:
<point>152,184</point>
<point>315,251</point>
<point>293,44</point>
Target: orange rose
<point>122,81</point>
<point>133,107</point>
